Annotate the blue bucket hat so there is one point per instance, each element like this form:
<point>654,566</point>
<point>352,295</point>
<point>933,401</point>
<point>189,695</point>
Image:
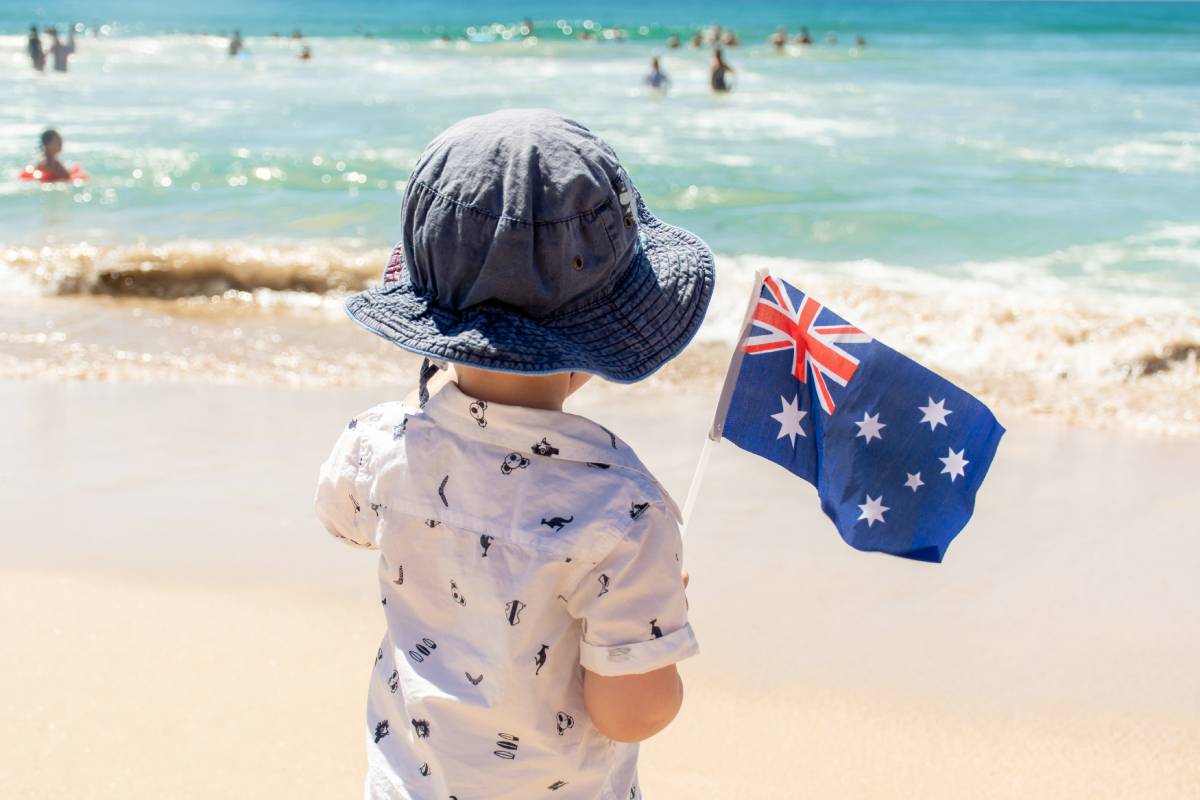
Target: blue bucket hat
<point>527,249</point>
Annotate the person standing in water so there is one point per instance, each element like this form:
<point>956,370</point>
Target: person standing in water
<point>778,39</point>
<point>236,44</point>
<point>656,79</point>
<point>61,52</point>
<point>720,73</point>
<point>804,38</point>
<point>36,54</point>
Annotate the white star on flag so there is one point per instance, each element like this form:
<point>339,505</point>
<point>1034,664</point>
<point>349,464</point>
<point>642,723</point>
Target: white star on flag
<point>954,463</point>
<point>872,510</point>
<point>789,419</point>
<point>914,481</point>
<point>934,413</point>
<point>869,428</point>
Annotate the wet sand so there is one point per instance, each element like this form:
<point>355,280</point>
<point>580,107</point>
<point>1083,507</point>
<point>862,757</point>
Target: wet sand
<point>179,625</point>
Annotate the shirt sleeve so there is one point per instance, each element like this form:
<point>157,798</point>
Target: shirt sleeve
<point>632,603</point>
<point>343,491</point>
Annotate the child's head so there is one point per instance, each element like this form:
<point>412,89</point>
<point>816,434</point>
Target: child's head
<point>526,249</point>
<point>52,143</point>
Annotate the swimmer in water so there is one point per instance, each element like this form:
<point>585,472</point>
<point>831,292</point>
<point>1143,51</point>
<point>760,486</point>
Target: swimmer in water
<point>720,73</point>
<point>305,53</point>
<point>61,52</point>
<point>36,54</point>
<point>860,42</point>
<point>804,38</point>
<point>50,169</point>
<point>673,42</point>
<point>656,79</point>
<point>778,39</point>
<point>236,44</point>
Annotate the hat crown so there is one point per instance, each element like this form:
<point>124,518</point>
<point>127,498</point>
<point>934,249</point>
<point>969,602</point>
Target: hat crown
<point>522,207</point>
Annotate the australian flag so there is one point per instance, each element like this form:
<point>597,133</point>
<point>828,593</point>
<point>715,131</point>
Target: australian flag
<point>896,452</point>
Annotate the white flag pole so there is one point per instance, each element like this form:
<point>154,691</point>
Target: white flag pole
<point>718,424</point>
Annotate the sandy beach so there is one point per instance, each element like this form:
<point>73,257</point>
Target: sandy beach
<point>179,625</point>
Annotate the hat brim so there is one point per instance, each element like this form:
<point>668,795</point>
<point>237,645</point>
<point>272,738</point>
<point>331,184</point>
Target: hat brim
<point>644,319</point>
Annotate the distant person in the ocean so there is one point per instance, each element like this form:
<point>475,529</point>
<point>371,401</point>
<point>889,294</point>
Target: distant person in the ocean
<point>50,168</point>
<point>778,39</point>
<point>306,53</point>
<point>730,39</point>
<point>36,54</point>
<point>656,79</point>
<point>804,38</point>
<point>860,42</point>
<point>236,44</point>
<point>296,34</point>
<point>697,39</point>
<point>61,52</point>
<point>673,42</point>
<point>720,72</point>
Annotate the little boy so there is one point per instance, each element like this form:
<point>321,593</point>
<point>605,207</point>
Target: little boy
<point>530,565</point>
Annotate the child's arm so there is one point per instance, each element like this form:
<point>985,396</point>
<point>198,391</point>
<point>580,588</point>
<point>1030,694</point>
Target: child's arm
<point>631,708</point>
<point>634,615</point>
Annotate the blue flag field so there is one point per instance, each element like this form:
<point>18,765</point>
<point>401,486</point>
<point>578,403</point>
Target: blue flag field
<point>896,452</point>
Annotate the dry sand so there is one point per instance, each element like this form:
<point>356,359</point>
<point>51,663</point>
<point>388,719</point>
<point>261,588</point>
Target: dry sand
<point>177,625</point>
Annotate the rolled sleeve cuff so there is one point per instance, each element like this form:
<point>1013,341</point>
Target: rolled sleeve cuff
<point>639,657</point>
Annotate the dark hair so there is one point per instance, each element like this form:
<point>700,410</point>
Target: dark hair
<point>33,28</point>
<point>48,135</point>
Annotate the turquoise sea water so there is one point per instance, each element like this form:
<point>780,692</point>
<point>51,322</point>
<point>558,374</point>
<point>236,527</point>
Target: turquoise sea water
<point>1025,146</point>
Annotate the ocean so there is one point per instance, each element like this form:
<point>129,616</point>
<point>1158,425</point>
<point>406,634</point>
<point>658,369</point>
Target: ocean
<point>1005,190</point>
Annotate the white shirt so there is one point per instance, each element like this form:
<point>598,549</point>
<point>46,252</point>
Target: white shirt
<point>516,545</point>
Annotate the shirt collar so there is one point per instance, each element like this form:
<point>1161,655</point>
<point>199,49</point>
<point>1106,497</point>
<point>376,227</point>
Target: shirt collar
<point>532,432</point>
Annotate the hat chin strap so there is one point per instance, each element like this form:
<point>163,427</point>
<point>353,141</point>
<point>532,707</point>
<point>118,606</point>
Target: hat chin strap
<point>429,368</point>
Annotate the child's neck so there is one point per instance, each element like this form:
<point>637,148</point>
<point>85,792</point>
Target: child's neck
<point>532,391</point>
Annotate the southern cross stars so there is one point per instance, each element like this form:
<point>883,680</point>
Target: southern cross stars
<point>789,419</point>
<point>954,463</point>
<point>934,413</point>
<point>869,428</point>
<point>914,481</point>
<point>872,510</point>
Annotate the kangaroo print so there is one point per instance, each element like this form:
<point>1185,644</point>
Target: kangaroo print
<point>485,542</point>
<point>556,523</point>
<point>540,659</point>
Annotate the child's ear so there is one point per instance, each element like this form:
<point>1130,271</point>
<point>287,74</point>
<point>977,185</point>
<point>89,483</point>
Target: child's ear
<point>578,379</point>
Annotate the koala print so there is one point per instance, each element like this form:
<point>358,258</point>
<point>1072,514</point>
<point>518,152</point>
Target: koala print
<point>479,412</point>
<point>421,727</point>
<point>544,448</point>
<point>513,461</point>
<point>564,722</point>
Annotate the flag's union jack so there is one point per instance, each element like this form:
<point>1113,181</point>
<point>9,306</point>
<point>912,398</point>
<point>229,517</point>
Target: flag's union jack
<point>815,347</point>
